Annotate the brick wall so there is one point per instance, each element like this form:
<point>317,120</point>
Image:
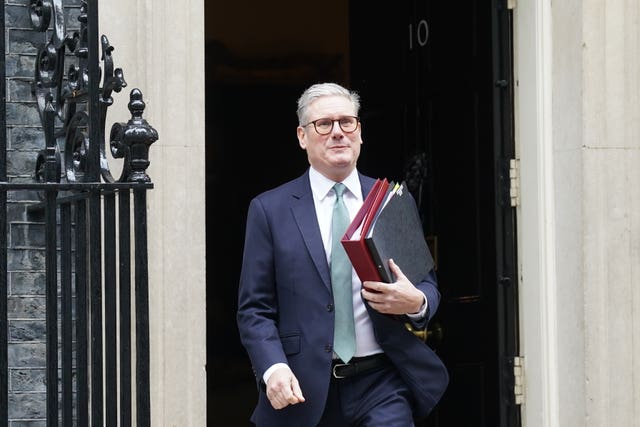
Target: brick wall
<point>26,300</point>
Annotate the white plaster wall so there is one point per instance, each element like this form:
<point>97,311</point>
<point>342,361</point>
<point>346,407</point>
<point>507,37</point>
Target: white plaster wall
<point>578,122</point>
<point>568,176</point>
<point>160,46</point>
<point>611,147</point>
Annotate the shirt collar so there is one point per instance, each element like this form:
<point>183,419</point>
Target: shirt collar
<point>321,185</point>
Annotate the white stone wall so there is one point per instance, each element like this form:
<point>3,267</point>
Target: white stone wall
<point>578,123</point>
<point>611,160</point>
<point>160,46</point>
<point>567,108</point>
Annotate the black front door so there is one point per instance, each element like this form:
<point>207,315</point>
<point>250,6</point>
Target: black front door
<point>428,72</point>
<point>427,76</point>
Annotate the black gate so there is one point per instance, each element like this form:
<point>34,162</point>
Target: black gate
<point>95,227</point>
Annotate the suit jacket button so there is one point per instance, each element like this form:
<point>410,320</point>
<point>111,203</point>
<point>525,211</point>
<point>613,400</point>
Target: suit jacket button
<point>329,307</point>
<point>328,348</point>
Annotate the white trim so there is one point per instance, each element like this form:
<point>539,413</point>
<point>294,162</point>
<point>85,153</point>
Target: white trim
<point>536,218</point>
<point>547,224</point>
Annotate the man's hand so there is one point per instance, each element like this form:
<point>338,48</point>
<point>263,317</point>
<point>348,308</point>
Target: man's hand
<point>400,297</point>
<point>283,388</point>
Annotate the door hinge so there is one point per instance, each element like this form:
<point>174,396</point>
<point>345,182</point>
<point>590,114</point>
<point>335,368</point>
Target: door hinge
<point>514,182</point>
<point>509,182</point>
<point>511,4</point>
<point>518,380</point>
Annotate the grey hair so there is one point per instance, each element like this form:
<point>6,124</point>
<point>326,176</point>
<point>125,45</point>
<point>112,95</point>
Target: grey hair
<point>319,90</point>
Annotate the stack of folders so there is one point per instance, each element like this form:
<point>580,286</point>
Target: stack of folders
<point>388,226</point>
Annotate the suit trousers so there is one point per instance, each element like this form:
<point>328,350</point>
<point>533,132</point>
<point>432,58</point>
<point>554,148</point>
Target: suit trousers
<point>378,398</point>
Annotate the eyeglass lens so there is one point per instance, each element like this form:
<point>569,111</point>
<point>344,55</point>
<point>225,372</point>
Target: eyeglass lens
<point>347,124</point>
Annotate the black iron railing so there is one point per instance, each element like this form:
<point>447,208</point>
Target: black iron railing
<point>97,313</point>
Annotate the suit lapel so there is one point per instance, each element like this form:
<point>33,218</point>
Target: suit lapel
<point>304,213</point>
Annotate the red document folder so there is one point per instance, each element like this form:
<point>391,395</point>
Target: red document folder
<point>355,246</point>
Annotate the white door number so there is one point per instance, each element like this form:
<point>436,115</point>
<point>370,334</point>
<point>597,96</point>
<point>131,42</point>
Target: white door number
<point>419,34</point>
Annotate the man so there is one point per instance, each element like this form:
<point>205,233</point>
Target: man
<point>286,308</point>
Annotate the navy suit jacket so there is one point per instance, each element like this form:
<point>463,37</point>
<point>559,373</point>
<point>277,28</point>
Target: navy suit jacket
<point>285,309</point>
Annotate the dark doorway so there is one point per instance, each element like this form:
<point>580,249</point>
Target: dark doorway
<point>425,71</point>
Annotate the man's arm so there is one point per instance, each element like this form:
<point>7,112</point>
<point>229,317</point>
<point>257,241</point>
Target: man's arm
<point>257,303</point>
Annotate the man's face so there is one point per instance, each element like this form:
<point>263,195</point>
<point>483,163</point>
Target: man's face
<point>334,155</point>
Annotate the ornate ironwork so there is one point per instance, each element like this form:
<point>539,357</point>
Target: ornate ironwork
<point>132,140</point>
<point>72,103</point>
<point>64,110</point>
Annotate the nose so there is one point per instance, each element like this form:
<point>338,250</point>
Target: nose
<point>335,127</point>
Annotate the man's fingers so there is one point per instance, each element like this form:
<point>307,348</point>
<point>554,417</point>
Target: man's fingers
<point>297,393</point>
<point>396,270</point>
<point>376,287</point>
<point>280,398</point>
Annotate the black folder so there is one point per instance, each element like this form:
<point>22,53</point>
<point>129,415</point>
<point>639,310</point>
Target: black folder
<point>397,233</point>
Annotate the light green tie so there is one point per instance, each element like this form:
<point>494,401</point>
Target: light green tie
<point>344,341</point>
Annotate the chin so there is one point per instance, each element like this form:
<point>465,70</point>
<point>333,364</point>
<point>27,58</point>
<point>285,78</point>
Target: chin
<point>343,164</point>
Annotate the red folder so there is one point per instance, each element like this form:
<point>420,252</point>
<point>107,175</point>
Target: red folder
<point>356,248</point>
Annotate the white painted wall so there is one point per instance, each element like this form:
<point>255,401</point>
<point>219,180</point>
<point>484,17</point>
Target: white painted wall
<point>611,159</point>
<point>578,122</point>
<point>567,110</point>
<point>160,46</point>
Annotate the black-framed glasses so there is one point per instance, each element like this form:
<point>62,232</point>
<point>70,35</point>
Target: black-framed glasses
<point>324,126</point>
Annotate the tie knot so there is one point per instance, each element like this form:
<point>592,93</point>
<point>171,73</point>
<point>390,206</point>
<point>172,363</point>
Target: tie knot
<point>339,189</point>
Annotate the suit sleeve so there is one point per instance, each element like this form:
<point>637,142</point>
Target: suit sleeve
<point>257,314</point>
<point>429,287</point>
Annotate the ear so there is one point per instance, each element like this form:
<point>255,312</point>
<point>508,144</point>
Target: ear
<point>302,138</point>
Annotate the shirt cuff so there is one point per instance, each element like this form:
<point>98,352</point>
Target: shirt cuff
<point>420,314</point>
<point>268,372</point>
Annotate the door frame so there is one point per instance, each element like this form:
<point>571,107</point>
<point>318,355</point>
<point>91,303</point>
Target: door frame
<point>505,213</point>
<point>536,219</point>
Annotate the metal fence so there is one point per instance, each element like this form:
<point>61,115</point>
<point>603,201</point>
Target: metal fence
<point>95,228</point>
